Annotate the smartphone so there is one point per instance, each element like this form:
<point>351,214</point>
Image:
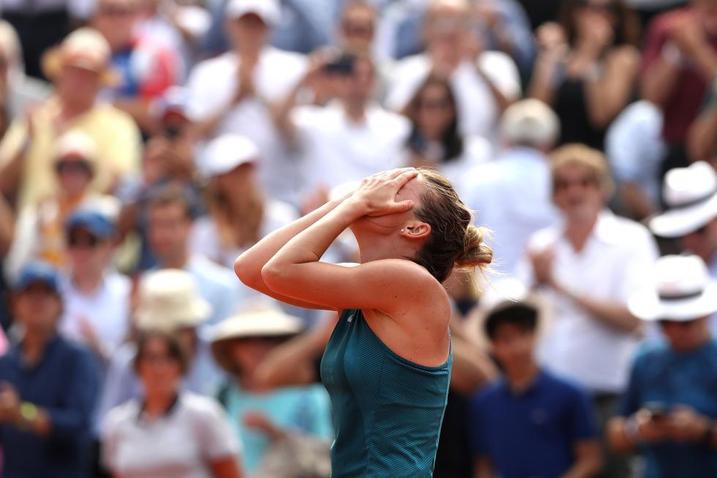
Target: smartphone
<point>343,65</point>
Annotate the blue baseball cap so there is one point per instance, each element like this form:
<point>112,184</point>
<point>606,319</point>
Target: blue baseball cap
<point>97,223</point>
<point>38,272</point>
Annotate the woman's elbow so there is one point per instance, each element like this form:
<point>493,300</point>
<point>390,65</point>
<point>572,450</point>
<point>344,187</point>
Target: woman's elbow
<point>274,276</point>
<point>247,270</point>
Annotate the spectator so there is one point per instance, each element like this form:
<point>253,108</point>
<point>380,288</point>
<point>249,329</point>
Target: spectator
<point>40,227</point>
<point>511,195</point>
<point>530,422</point>
<point>147,67</point>
<point>587,67</point>
<point>587,268</point>
<point>169,432</point>
<point>701,143</point>
<point>48,387</point>
<point>231,93</point>
<point>347,139</point>
<point>357,28</point>
<point>634,147</point>
<point>679,64</point>
<point>484,82</point>
<point>691,216</point>
<point>669,410</point>
<point>260,417</point>
<point>79,67</point>
<point>435,139</point>
<point>97,299</point>
<point>239,213</point>
<point>7,233</point>
<point>170,224</point>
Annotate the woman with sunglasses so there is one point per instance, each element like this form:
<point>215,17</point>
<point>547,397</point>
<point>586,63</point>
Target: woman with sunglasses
<point>587,67</point>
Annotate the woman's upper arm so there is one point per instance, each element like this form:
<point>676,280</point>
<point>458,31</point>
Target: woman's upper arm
<point>226,467</point>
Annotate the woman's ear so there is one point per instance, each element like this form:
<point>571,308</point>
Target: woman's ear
<point>416,230</point>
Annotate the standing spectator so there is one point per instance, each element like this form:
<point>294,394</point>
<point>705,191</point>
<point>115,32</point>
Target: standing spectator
<point>169,228</point>
<point>146,65</point>
<point>239,212</point>
<point>669,411</point>
<point>260,417</point>
<point>587,267</point>
<point>511,195</point>
<point>348,139</point>
<point>484,82</point>
<point>97,299</point>
<point>168,432</point>
<point>436,140</point>
<point>79,68</point>
<point>587,67</point>
<point>679,64</point>
<point>232,93</point>
<point>48,387</point>
<point>529,423</point>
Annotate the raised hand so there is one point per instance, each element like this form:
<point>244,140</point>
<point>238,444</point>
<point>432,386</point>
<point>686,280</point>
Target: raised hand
<point>376,196</point>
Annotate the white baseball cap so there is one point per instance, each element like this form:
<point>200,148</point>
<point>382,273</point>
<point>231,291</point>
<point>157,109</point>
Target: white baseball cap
<point>530,122</point>
<point>227,152</point>
<point>267,10</point>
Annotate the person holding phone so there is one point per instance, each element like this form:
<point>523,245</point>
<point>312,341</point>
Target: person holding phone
<point>669,411</point>
<point>387,364</point>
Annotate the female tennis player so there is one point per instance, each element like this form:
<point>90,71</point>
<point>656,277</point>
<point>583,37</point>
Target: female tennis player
<point>387,364</point>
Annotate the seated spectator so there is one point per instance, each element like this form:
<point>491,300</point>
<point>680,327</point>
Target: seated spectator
<point>260,417</point>
<point>349,138</point>
<point>79,67</point>
<point>691,216</point>
<point>168,432</point>
<point>587,67</point>
<point>97,299</point>
<point>530,422</point>
<point>484,82</point>
<point>669,410</point>
<point>586,267</point>
<point>239,212</point>
<point>232,93</point>
<point>147,67</point>
<point>169,230</point>
<point>40,227</point>
<point>436,140</point>
<point>511,195</point>
<point>48,387</point>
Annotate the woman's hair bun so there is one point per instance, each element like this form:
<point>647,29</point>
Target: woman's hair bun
<point>476,253</point>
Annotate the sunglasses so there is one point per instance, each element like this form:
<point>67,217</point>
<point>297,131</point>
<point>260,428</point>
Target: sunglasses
<point>73,166</point>
<point>82,241</point>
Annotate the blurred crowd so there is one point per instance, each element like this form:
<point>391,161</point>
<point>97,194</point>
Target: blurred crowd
<point>144,144</point>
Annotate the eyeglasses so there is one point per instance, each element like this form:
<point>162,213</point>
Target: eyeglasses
<point>73,166</point>
<point>82,241</point>
<point>561,184</point>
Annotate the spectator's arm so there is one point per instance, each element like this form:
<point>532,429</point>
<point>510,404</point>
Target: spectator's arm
<point>471,367</point>
<point>658,81</point>
<point>139,110</point>
<point>587,460</point>
<point>482,467</point>
<point>7,226</point>
<point>607,95</point>
<point>226,467</point>
<point>281,113</point>
<point>702,135</point>
<point>614,314</point>
<point>14,148</point>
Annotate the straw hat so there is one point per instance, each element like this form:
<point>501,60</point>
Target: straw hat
<point>263,320</point>
<point>169,299</point>
<point>682,290</point>
<point>691,197</point>
<point>84,48</point>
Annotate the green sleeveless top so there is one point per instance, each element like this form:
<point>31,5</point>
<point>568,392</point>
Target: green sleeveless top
<point>386,410</point>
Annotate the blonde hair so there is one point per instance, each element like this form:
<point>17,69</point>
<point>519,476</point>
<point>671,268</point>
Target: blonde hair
<point>584,157</point>
<point>454,241</point>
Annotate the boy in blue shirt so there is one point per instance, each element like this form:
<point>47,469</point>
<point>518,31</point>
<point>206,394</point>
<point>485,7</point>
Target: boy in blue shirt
<point>530,422</point>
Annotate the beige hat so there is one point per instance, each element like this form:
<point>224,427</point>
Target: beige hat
<point>264,320</point>
<point>84,48</point>
<point>76,144</point>
<point>169,299</point>
<point>530,122</point>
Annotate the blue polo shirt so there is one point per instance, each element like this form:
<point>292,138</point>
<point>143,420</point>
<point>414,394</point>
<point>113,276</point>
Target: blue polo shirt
<point>661,375</point>
<point>530,434</point>
<point>65,383</point>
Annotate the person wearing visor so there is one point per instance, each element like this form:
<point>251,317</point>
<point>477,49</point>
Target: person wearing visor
<point>48,386</point>
<point>669,410</point>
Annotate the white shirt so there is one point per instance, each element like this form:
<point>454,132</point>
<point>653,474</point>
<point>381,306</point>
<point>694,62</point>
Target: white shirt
<point>336,151</point>
<point>616,261</point>
<point>181,444</point>
<point>476,150</point>
<point>511,196</point>
<point>477,109</point>
<point>212,84</point>
<point>106,311</point>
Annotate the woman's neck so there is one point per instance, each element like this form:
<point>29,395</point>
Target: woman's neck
<point>157,403</point>
<point>88,281</point>
<point>521,377</point>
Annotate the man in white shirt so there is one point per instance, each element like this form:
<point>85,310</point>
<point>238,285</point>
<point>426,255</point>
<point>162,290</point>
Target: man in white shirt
<point>484,82</point>
<point>511,195</point>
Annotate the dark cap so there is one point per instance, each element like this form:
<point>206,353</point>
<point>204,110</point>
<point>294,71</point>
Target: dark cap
<point>38,272</point>
<point>97,223</point>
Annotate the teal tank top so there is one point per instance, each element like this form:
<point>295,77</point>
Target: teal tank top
<point>386,410</point>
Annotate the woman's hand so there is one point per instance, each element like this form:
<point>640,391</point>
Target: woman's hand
<point>376,196</point>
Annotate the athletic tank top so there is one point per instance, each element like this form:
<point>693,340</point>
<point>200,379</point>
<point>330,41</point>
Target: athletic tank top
<point>386,410</point>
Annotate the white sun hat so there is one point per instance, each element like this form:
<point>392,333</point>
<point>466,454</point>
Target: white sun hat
<point>267,10</point>
<point>169,299</point>
<point>227,152</point>
<point>682,290</point>
<point>691,197</point>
